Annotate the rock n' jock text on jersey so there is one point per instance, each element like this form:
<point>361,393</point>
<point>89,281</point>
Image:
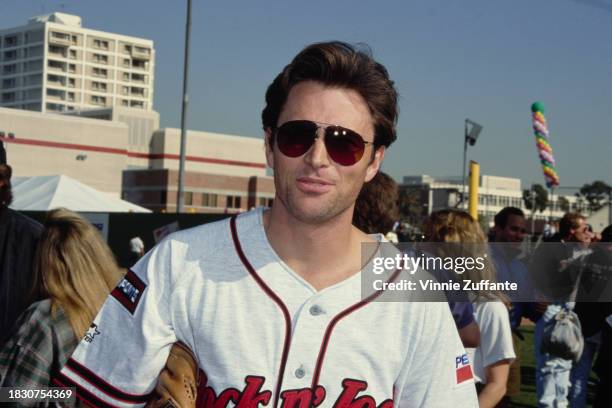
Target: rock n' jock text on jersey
<point>252,396</point>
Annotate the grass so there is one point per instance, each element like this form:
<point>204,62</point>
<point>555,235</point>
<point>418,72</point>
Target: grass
<point>527,398</point>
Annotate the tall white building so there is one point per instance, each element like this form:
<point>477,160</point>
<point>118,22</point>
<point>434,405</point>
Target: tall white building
<point>52,64</point>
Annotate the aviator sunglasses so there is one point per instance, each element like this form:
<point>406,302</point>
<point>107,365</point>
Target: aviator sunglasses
<point>343,145</point>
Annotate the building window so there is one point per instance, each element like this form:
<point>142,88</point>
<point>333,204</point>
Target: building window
<point>233,201</point>
<point>54,49</point>
<point>55,79</point>
<point>209,200</point>
<point>137,104</point>
<point>100,58</point>
<point>142,50</point>
<point>9,83</point>
<point>188,198</point>
<point>126,76</point>
<point>126,62</point>
<point>98,100</point>
<point>56,107</point>
<point>55,93</point>
<point>100,44</point>
<point>125,90</point>
<point>127,48</point>
<point>139,64</point>
<point>9,69</point>
<point>73,54</point>
<point>71,82</point>
<point>99,72</point>
<point>8,97</point>
<point>72,68</point>
<point>70,96</point>
<point>56,64</point>
<point>10,41</point>
<point>10,55</point>
<point>98,86</point>
<point>137,91</point>
<point>139,77</point>
<point>60,36</point>
<point>124,102</point>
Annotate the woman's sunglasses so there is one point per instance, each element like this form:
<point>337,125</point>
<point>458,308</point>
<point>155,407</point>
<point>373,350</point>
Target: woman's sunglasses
<point>344,146</point>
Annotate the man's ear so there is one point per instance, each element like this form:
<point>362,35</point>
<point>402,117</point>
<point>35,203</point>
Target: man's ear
<point>375,164</point>
<point>269,148</point>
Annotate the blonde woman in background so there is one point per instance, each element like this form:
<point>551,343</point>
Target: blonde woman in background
<point>74,271</point>
<point>491,359</point>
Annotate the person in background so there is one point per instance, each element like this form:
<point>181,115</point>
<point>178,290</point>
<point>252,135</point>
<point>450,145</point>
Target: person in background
<point>376,209</point>
<point>508,235</point>
<point>137,249</point>
<point>435,230</point>
<point>74,272</point>
<point>492,358</point>
<point>593,306</point>
<point>18,239</point>
<point>549,268</point>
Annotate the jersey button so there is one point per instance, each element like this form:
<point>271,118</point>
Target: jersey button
<point>316,310</point>
<point>299,373</point>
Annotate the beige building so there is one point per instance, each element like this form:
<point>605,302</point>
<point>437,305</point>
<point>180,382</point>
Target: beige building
<point>223,173</point>
<point>40,144</point>
<point>53,64</point>
<point>119,153</point>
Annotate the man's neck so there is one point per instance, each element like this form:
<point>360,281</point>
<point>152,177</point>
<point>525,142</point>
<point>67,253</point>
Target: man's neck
<point>322,254</point>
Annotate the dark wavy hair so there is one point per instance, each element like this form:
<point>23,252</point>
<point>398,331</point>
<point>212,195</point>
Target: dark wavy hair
<point>342,65</point>
<point>376,208</point>
<point>6,193</point>
<point>502,217</point>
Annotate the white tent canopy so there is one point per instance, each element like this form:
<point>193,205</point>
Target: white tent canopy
<point>43,193</point>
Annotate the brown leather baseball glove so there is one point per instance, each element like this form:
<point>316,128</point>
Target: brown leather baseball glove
<point>178,381</point>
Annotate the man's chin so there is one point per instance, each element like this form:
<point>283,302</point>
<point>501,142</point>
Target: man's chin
<point>314,215</point>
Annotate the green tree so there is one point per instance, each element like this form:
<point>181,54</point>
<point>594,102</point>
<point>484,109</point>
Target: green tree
<point>579,204</point>
<point>596,194</point>
<point>540,200</point>
<point>564,204</point>
<point>411,205</point>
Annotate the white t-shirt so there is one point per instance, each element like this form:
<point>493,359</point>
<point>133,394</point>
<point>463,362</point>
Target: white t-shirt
<point>263,335</point>
<point>495,338</point>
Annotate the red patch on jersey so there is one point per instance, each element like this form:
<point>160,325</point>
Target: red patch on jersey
<point>463,369</point>
<point>129,291</point>
<point>464,374</point>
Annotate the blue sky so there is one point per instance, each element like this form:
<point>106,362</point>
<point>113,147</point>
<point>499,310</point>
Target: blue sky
<point>451,60</point>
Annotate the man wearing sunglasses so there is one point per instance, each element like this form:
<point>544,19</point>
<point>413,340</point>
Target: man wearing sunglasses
<point>270,301</point>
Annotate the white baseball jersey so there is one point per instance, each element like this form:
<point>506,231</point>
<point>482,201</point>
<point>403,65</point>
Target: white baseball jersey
<point>262,335</point>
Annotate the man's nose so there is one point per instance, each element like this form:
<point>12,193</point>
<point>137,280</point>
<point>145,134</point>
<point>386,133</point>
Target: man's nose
<point>317,154</point>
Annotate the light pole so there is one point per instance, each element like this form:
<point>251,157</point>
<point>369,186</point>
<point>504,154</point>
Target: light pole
<point>181,180</point>
<point>472,130</point>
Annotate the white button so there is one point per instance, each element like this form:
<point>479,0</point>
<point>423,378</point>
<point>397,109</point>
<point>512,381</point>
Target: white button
<point>299,373</point>
<point>316,310</point>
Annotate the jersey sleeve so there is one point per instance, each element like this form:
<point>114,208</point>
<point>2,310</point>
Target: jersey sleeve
<point>437,371</point>
<point>118,360</point>
<point>496,335</point>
